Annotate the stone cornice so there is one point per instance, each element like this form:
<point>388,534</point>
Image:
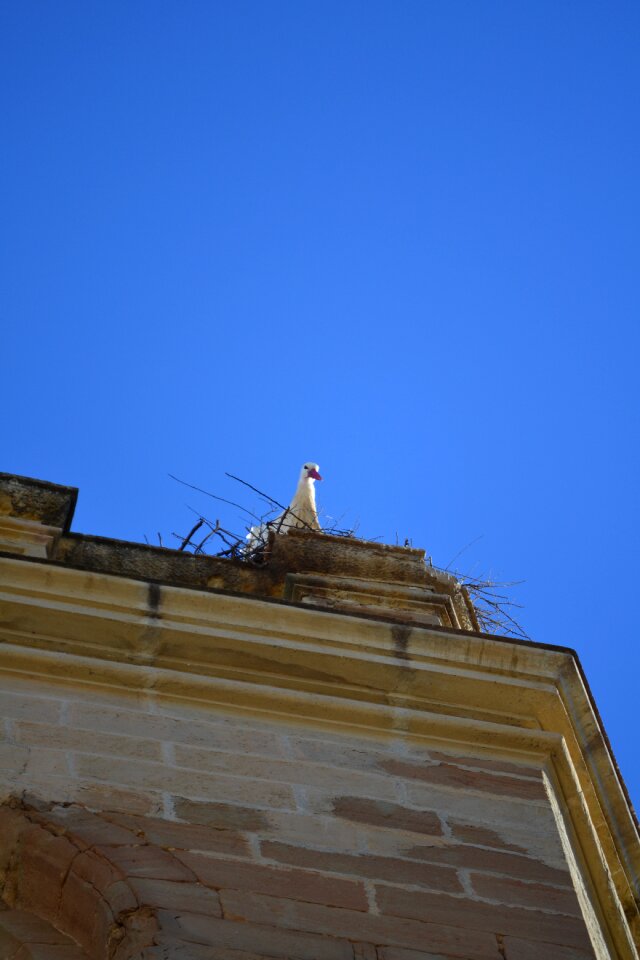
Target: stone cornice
<point>331,571</point>
<point>37,500</point>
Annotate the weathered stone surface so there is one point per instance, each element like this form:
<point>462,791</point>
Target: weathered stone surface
<point>83,827</point>
<point>434,937</point>
<point>197,785</point>
<point>175,895</point>
<point>482,763</point>
<point>44,862</point>
<point>462,778</point>
<point>372,868</point>
<point>92,741</point>
<point>25,936</point>
<point>46,951</point>
<point>266,940</point>
<point>293,883</point>
<point>46,503</point>
<point>473,915</point>
<point>84,914</point>
<point>105,877</point>
<point>297,552</point>
<point>481,834</point>
<point>392,815</point>
<point>27,927</point>
<point>184,836</point>
<point>535,895</point>
<point>28,705</point>
<point>146,860</point>
<point>398,953</point>
<point>221,815</point>
<point>194,951</point>
<point>528,950</point>
<point>286,771</point>
<point>470,857</point>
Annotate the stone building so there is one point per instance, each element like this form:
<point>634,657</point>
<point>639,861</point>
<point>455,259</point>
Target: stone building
<point>321,758</point>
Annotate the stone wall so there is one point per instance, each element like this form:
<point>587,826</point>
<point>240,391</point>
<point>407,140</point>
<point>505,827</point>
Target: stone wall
<point>181,831</point>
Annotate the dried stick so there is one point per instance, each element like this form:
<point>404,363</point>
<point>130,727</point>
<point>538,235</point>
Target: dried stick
<point>214,497</point>
<point>266,496</point>
<point>194,529</point>
<point>466,547</point>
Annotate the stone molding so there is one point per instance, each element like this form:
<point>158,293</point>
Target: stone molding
<point>38,500</point>
<point>28,538</point>
<point>340,572</point>
<point>417,604</point>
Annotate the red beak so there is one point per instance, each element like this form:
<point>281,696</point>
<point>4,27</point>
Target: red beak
<point>314,474</point>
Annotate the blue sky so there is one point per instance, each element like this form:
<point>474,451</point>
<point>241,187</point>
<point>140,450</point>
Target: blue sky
<point>399,239</point>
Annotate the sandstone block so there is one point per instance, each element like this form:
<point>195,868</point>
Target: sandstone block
<point>535,895</point>
<point>27,927</point>
<point>263,939</point>
<point>280,882</point>
<point>102,796</point>
<point>528,950</point>
<point>453,941</point>
<point>85,916</point>
<point>214,732</point>
<point>48,951</point>
<point>461,778</point>
<point>221,815</point>
<point>43,863</point>
<point>345,752</point>
<point>87,741</point>
<point>9,944</point>
<point>202,786</point>
<point>391,815</point>
<point>145,861</point>
<point>474,915</point>
<point>399,953</point>
<point>170,950</point>
<point>173,895</point>
<point>12,825</point>
<point>470,857</point>
<point>106,878</point>
<point>513,768</point>
<point>87,829</point>
<point>184,836</point>
<point>372,868</point>
<point>24,705</point>
<point>480,834</point>
<point>286,771</point>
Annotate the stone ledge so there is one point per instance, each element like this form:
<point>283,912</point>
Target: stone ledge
<point>27,498</point>
<point>38,514</point>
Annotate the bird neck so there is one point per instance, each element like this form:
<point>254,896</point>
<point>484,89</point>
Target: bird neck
<point>306,490</point>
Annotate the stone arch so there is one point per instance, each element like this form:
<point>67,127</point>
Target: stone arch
<point>65,885</point>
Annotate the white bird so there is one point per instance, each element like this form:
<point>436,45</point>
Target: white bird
<point>300,513</point>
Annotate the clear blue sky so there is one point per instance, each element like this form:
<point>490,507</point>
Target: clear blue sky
<point>397,238</point>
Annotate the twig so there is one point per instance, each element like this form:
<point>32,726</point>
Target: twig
<point>466,547</point>
<point>266,496</point>
<point>214,497</point>
<point>193,530</point>
<point>203,541</point>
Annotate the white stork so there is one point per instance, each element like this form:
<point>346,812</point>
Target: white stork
<point>300,513</point>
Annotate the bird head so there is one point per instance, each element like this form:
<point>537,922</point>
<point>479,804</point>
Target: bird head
<point>310,472</point>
